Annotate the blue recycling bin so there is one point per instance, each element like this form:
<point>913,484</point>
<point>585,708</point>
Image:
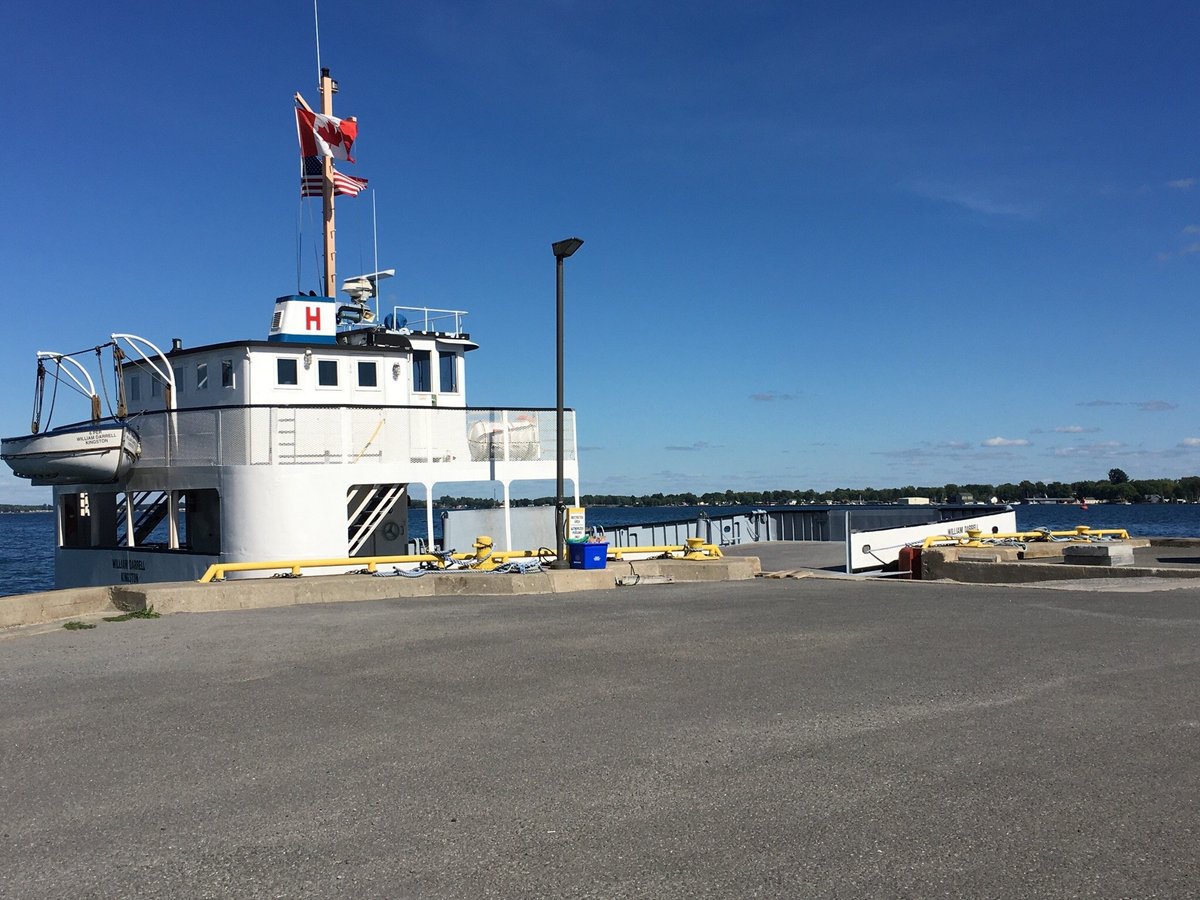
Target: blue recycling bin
<point>588,556</point>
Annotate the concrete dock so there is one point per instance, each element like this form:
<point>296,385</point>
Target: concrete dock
<point>820,736</point>
<point>88,604</point>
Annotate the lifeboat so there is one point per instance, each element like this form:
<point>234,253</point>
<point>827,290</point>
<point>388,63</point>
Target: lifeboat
<point>91,453</point>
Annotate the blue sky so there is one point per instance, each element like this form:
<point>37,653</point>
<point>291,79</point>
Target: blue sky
<point>853,244</point>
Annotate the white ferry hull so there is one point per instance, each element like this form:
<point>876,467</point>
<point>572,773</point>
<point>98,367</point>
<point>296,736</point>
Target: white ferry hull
<point>99,454</point>
<point>875,549</point>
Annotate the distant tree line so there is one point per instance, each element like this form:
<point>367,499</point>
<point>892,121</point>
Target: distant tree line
<point>23,508</point>
<point>1116,488</point>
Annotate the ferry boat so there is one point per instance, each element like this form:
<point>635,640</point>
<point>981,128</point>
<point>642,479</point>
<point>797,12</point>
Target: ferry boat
<point>301,444</point>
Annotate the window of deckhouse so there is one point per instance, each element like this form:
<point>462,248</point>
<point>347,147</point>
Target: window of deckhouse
<point>368,375</point>
<point>448,372</point>
<point>287,371</point>
<point>327,372</point>
<point>422,380</point>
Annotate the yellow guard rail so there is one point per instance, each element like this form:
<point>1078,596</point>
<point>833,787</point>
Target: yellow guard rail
<point>482,560</point>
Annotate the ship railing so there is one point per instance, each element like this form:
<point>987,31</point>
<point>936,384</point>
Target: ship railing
<point>353,435</point>
<point>426,319</point>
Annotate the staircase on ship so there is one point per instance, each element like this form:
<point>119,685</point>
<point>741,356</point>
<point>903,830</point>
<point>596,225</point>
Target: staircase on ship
<point>150,510</point>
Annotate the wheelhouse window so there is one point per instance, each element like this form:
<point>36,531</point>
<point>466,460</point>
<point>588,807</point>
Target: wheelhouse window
<point>155,387</point>
<point>368,375</point>
<point>327,372</point>
<point>135,388</point>
<point>227,373</point>
<point>179,378</point>
<point>421,366</point>
<point>448,372</point>
<point>201,376</point>
<point>287,371</point>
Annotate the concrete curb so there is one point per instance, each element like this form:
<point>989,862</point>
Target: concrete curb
<point>971,572</point>
<point>1000,565</point>
<point>260,593</point>
<point>49,606</point>
<point>727,568</point>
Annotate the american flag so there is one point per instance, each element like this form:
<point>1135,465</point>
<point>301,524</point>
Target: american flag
<point>312,180</point>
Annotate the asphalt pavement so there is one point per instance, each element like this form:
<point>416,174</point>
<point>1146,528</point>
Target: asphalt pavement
<point>819,737</point>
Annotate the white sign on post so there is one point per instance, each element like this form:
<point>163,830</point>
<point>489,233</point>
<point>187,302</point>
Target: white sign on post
<point>576,525</point>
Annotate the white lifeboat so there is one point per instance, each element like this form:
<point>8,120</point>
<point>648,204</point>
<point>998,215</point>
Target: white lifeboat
<point>91,453</point>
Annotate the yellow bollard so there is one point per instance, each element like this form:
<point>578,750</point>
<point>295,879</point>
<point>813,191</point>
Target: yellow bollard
<point>483,553</point>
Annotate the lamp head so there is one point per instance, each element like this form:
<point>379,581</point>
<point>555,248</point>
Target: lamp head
<point>564,248</point>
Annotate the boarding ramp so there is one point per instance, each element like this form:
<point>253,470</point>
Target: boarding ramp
<point>886,525</point>
<point>799,523</point>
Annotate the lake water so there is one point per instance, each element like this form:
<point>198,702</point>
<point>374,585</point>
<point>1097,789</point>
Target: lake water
<point>27,539</point>
<point>26,552</point>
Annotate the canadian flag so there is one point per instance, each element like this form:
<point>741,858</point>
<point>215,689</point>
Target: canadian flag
<point>324,135</point>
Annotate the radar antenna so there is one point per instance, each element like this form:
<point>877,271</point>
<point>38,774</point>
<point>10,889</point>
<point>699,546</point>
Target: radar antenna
<point>361,290</point>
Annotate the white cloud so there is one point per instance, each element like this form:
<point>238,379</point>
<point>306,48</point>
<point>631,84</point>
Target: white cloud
<point>1074,429</point>
<point>1099,449</point>
<point>1183,184</point>
<point>926,451</point>
<point>1190,442</point>
<point>1187,249</point>
<point>909,453</point>
<point>974,199</point>
<point>1005,442</point>
<point>1143,405</point>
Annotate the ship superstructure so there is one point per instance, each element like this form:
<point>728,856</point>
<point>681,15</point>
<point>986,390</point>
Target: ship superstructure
<point>303,444</point>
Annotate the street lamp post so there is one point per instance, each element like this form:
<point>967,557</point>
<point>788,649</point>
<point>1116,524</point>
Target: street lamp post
<point>562,249</point>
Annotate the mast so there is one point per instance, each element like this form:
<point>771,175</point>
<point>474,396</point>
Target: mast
<point>328,89</point>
